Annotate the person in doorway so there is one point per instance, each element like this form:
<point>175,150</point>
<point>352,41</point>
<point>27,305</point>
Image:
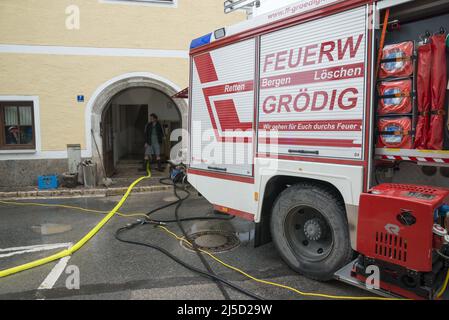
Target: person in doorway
<point>154,136</point>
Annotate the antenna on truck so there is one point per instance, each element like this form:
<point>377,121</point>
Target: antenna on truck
<point>233,5</point>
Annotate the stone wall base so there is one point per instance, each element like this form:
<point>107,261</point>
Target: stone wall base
<point>24,173</point>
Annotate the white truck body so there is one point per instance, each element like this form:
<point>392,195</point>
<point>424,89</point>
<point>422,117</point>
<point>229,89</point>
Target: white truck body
<point>288,93</point>
<point>270,6</point>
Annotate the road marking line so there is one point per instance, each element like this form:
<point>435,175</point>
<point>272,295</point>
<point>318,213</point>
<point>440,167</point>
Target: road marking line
<point>36,249</point>
<point>54,274</point>
<point>51,246</point>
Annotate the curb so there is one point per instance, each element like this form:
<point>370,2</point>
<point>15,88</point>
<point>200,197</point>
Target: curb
<point>69,193</point>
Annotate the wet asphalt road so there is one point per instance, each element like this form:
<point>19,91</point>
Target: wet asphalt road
<point>110,269</point>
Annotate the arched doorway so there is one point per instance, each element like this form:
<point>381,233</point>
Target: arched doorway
<point>123,124</point>
<point>126,99</point>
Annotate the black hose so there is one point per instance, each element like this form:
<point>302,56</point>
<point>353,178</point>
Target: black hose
<point>182,263</point>
<point>162,181</point>
<point>194,219</point>
<point>179,222</point>
<point>210,274</point>
<point>442,255</point>
<point>163,207</point>
<point>194,245</point>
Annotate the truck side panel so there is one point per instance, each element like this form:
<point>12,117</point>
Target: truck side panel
<point>227,194</point>
<point>312,88</point>
<point>222,117</point>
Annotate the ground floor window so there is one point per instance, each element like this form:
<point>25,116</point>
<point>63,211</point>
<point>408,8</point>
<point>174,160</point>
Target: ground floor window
<point>17,125</point>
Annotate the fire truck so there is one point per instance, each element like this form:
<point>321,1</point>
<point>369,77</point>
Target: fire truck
<point>323,122</point>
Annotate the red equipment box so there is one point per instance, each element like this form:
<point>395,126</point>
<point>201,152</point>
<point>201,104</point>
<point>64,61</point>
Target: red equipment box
<point>395,224</point>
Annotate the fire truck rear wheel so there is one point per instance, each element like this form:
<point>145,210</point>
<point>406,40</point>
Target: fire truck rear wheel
<point>310,230</point>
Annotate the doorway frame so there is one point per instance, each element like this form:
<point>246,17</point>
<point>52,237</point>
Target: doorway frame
<point>103,95</point>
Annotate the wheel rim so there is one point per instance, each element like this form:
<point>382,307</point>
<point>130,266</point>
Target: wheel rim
<point>308,233</point>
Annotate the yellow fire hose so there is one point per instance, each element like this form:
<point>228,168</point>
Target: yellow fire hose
<point>82,242</point>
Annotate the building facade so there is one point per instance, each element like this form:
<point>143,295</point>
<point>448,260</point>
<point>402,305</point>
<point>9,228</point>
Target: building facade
<point>89,72</point>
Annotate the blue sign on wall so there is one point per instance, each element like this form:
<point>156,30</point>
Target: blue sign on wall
<point>80,98</point>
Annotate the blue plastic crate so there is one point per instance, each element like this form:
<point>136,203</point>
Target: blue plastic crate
<point>47,182</point>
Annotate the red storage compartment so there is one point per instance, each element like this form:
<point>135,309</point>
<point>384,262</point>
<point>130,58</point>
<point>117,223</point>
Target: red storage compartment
<point>382,233</point>
<point>395,133</point>
<point>397,60</point>
<point>395,97</point>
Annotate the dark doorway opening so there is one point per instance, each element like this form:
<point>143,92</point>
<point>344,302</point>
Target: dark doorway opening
<point>123,124</point>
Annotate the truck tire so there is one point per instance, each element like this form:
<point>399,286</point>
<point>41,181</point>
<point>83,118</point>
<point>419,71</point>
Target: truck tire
<point>310,230</point>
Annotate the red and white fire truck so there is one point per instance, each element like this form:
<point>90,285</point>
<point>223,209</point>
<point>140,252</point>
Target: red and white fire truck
<point>322,122</point>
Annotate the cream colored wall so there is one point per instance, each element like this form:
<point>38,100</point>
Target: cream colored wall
<point>58,79</point>
<point>42,22</point>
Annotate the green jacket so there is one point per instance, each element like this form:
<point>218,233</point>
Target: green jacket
<point>149,131</point>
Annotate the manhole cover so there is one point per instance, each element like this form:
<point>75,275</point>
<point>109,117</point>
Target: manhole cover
<point>213,241</point>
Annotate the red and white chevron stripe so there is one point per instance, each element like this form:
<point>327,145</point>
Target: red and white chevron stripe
<point>415,159</point>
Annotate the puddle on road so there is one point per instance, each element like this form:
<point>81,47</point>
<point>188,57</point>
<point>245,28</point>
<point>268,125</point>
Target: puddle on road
<point>51,228</point>
<point>170,199</point>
